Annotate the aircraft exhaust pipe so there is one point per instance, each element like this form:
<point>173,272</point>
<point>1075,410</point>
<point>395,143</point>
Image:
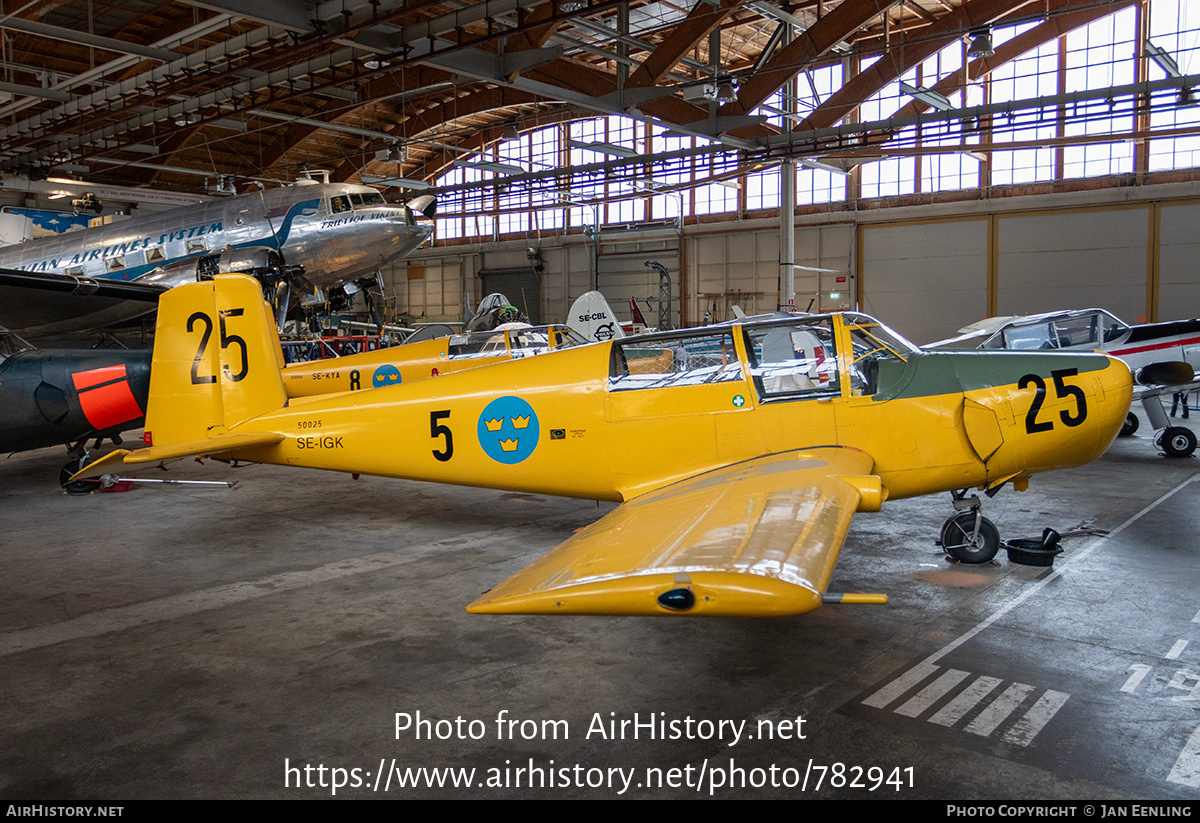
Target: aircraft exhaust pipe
<point>1171,373</point>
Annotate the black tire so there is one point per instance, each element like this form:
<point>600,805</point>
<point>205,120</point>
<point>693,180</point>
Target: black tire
<point>81,486</point>
<point>1178,442</point>
<point>957,539</point>
<point>1130,425</point>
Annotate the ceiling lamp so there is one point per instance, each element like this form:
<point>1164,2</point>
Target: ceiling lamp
<point>510,133</point>
<point>395,154</point>
<point>981,42</point>
<point>726,93</point>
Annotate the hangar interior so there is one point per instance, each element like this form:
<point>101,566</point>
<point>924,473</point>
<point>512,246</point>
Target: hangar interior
<point>928,162</point>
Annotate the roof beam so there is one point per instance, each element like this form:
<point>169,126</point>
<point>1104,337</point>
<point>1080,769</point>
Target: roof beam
<point>899,60</point>
<point>701,20</point>
<point>817,40</point>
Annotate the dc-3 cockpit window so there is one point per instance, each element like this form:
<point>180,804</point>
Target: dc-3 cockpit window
<point>794,360</point>
<point>371,198</point>
<point>682,360</point>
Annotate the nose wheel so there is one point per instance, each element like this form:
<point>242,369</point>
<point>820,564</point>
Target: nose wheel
<point>968,536</point>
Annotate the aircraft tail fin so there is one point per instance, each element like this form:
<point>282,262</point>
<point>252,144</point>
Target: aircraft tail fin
<point>592,317</point>
<point>217,360</point>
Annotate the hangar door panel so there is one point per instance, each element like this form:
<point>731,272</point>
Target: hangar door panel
<point>520,286</point>
<point>1048,262</point>
<point>1178,272</point>
<point>926,280</point>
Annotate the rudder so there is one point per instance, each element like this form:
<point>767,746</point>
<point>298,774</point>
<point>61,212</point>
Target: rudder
<point>217,360</point>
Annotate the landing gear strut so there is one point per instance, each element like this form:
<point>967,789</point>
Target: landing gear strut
<point>79,459</point>
<point>968,536</point>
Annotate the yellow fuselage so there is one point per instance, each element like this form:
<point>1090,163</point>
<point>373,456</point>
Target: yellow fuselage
<point>944,421</point>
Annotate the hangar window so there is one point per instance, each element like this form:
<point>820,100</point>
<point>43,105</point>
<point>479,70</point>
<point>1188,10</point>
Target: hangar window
<point>674,360</point>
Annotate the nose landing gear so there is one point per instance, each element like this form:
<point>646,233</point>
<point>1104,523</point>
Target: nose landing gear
<point>968,536</point>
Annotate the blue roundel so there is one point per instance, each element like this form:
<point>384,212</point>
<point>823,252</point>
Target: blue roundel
<point>508,430</point>
<point>385,376</point>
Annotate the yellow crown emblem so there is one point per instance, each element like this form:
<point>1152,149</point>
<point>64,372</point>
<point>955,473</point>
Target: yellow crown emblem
<point>494,425</point>
<point>508,445</point>
<point>520,422</point>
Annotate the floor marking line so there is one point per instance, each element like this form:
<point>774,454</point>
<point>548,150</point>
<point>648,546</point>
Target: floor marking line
<point>897,687</point>
<point>968,699</point>
<point>1037,586</point>
<point>999,709</point>
<point>1186,770</point>
<point>1034,720</point>
<point>1176,650</point>
<point>179,605</point>
<point>929,695</point>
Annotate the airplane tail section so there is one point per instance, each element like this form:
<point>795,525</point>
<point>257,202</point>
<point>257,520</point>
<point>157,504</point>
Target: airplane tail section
<point>592,317</point>
<point>217,361</point>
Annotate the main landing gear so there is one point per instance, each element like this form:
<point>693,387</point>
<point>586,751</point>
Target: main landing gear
<point>79,459</point>
<point>968,536</point>
<point>1176,441</point>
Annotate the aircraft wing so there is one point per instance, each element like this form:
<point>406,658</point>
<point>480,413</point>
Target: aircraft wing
<point>40,303</point>
<point>758,538</point>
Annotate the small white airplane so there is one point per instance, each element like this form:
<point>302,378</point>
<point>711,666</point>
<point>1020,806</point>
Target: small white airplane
<point>329,236</point>
<point>1163,356</point>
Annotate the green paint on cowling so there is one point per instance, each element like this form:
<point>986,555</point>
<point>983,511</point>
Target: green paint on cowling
<point>928,375</point>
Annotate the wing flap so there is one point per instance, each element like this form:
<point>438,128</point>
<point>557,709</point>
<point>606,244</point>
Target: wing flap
<point>759,538</point>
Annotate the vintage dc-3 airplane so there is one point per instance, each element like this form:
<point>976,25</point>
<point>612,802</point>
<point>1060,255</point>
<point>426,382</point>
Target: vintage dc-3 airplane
<point>1163,355</point>
<point>338,235</point>
<point>50,398</point>
<point>755,442</point>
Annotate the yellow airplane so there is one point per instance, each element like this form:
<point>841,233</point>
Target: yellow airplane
<point>738,453</point>
<point>427,358</point>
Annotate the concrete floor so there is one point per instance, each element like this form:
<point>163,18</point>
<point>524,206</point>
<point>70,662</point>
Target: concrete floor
<point>180,642</point>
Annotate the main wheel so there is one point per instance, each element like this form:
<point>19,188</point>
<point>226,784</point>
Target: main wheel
<point>960,541</point>
<point>1178,442</point>
<point>82,485</point>
<point>1130,425</point>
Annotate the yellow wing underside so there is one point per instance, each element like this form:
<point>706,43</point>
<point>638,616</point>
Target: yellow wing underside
<point>759,538</point>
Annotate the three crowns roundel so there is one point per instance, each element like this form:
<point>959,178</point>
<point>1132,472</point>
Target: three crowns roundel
<point>508,430</point>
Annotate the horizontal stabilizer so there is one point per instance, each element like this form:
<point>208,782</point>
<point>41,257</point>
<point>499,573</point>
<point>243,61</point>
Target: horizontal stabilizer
<point>756,539</point>
<point>218,444</point>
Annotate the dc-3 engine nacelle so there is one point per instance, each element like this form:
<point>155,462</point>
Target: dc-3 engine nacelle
<point>263,264</point>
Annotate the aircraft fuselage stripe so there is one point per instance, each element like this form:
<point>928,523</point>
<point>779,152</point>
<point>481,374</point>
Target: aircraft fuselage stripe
<point>1165,345</point>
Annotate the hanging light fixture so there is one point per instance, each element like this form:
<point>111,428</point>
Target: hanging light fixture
<point>981,42</point>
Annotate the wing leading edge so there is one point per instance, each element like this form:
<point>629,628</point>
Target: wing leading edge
<point>755,539</point>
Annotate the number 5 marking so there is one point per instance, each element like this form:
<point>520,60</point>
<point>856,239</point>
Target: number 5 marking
<point>437,430</point>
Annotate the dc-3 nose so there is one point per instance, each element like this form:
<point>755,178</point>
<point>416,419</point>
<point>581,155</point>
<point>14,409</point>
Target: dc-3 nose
<point>1055,411</point>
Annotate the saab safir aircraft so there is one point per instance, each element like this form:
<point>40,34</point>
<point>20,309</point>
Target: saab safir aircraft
<point>425,358</point>
<point>738,453</point>
<point>1164,356</point>
<point>338,233</point>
